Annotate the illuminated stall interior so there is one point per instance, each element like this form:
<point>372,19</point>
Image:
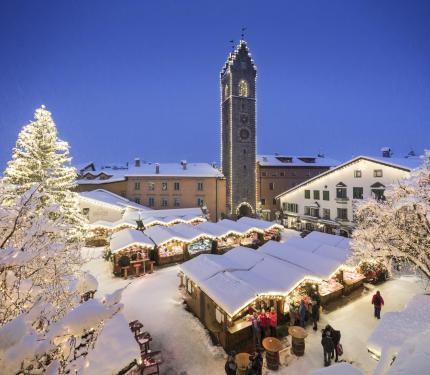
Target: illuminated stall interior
<point>130,252</point>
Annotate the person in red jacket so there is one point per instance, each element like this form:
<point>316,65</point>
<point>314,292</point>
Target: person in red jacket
<point>273,321</point>
<point>264,323</point>
<point>377,302</point>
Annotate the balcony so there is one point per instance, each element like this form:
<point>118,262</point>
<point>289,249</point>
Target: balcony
<point>342,200</point>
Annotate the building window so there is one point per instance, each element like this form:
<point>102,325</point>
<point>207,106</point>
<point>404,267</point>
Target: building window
<point>164,186</point>
<point>271,186</point>
<point>357,174</point>
<point>326,195</point>
<point>137,200</point>
<point>316,194</point>
<point>151,202</point>
<point>151,186</point>
<point>274,201</point>
<point>263,174</point>
<point>243,88</point>
<point>163,202</point>
<point>357,192</point>
<point>341,192</point>
<point>282,174</point>
<point>200,202</point>
<point>307,194</point>
<point>377,173</point>
<point>176,202</point>
<point>199,186</point>
<point>293,207</point>
<point>263,201</point>
<point>176,186</point>
<point>274,175</point>
<point>225,91</point>
<point>312,211</point>
<point>378,194</point>
<point>326,213</point>
<point>342,214</point>
<point>137,185</point>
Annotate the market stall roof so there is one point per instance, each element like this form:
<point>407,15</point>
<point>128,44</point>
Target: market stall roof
<point>328,239</point>
<point>216,229</point>
<point>127,237</point>
<point>244,256</point>
<point>167,217</point>
<point>313,263</point>
<point>237,226</point>
<point>260,224</point>
<point>189,232</point>
<point>313,245</point>
<point>112,224</point>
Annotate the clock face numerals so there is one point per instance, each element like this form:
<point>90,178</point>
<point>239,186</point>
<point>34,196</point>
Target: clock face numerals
<point>244,118</point>
<point>244,134</point>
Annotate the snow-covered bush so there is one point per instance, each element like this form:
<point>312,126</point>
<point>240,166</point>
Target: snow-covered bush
<point>397,229</point>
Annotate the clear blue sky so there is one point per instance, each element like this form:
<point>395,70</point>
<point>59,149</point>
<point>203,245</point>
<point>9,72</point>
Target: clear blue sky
<point>140,78</point>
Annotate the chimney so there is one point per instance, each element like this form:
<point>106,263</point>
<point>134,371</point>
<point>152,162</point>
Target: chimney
<point>386,152</point>
<point>137,162</point>
<point>157,168</point>
<point>184,164</point>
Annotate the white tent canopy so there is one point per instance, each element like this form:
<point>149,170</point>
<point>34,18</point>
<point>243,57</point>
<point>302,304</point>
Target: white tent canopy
<point>128,237</point>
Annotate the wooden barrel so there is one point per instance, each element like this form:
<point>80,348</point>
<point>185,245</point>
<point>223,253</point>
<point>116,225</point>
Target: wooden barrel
<point>298,346</point>
<point>242,361</point>
<point>272,360</point>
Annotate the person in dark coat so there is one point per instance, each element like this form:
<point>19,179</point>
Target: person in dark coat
<point>316,298</point>
<point>314,314</point>
<point>255,366</point>
<point>328,346</point>
<point>377,302</point>
<point>231,366</point>
<point>302,313</point>
<point>335,336</point>
<point>256,330</point>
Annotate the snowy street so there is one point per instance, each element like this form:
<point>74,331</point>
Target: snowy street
<point>187,349</point>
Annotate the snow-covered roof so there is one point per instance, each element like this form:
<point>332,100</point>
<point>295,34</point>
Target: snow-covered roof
<point>127,237</point>
<point>165,217</point>
<point>241,227</point>
<point>406,164</point>
<point>216,229</point>
<point>235,279</point>
<point>260,224</point>
<point>150,169</point>
<point>113,224</point>
<point>189,232</point>
<point>396,326</point>
<point>181,232</point>
<point>106,197</point>
<point>295,161</point>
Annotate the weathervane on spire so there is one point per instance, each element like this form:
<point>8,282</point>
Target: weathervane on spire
<point>242,35</point>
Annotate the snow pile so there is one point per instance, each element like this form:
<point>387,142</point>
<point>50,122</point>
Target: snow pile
<point>414,356</point>
<point>338,369</point>
<point>87,283</point>
<point>115,348</point>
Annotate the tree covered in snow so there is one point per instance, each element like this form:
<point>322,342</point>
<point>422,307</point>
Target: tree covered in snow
<point>397,228</point>
<point>40,157</point>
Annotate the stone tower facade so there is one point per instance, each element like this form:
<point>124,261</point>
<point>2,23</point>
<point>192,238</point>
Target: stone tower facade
<point>238,131</point>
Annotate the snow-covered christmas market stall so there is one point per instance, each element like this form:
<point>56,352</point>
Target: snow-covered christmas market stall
<point>222,290</point>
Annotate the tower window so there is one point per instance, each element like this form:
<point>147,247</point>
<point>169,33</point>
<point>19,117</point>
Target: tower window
<point>225,91</point>
<point>243,88</point>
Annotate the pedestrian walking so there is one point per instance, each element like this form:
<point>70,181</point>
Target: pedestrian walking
<point>328,346</point>
<point>273,320</point>
<point>302,313</point>
<point>316,298</point>
<point>335,336</point>
<point>377,302</point>
<point>231,366</point>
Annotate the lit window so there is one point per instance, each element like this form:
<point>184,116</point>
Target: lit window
<point>243,88</point>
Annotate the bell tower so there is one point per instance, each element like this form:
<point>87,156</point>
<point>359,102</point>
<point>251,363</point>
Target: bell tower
<point>238,131</point>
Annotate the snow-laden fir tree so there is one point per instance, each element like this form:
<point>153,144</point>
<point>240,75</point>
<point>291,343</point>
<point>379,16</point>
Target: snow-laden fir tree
<point>45,324</point>
<point>41,157</point>
<point>397,229</point>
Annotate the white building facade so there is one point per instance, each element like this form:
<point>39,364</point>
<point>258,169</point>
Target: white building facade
<point>325,202</point>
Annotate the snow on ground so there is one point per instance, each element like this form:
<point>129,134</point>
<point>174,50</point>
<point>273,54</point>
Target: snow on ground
<point>187,349</point>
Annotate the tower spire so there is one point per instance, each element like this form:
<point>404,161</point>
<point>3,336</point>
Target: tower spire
<point>242,35</point>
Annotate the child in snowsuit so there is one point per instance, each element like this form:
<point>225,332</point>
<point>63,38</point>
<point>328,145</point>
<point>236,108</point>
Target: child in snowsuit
<point>377,302</point>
